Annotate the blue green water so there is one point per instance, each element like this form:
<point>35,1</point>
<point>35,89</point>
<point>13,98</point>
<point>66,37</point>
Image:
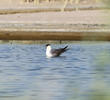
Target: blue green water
<point>82,71</point>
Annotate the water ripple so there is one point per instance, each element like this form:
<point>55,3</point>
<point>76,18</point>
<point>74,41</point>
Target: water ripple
<point>26,73</point>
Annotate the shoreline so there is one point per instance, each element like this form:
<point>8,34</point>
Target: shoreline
<point>55,35</point>
<point>75,25</point>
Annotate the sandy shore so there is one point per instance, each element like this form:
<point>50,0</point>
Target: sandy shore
<point>68,25</point>
<point>74,25</point>
<point>83,17</point>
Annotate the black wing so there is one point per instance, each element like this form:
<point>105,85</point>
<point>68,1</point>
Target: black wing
<point>57,52</point>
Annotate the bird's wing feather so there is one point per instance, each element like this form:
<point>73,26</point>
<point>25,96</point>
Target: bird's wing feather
<point>57,52</point>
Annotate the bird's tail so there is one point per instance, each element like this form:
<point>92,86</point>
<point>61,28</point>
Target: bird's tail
<point>65,48</point>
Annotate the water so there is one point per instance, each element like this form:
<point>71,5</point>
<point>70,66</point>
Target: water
<point>26,73</point>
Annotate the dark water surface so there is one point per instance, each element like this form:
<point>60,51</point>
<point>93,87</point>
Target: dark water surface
<point>79,74</point>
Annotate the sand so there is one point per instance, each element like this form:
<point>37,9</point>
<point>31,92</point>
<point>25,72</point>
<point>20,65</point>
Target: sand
<point>41,25</point>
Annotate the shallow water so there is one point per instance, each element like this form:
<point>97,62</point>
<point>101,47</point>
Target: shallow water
<point>26,73</point>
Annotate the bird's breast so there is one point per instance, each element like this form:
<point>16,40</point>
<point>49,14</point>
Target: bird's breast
<point>48,54</point>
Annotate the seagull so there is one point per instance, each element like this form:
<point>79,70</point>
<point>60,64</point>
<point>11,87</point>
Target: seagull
<point>54,52</point>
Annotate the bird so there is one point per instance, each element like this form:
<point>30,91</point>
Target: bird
<point>54,52</point>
